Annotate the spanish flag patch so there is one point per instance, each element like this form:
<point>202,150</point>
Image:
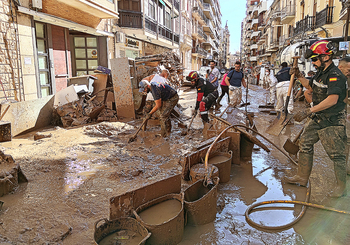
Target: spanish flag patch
<point>333,79</point>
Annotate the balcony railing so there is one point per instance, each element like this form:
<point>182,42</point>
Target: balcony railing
<point>288,10</point>
<point>151,24</point>
<point>324,17</point>
<point>304,25</point>
<point>200,51</point>
<point>130,19</point>
<point>197,10</point>
<point>207,8</point>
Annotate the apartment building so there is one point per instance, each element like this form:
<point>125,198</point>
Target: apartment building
<point>147,27</point>
<point>52,40</point>
<point>292,24</point>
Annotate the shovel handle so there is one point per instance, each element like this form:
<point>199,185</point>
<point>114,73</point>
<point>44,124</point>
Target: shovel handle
<point>295,65</point>
<point>132,138</point>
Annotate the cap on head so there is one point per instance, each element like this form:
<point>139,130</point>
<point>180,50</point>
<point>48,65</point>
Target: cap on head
<point>143,84</point>
<point>318,48</point>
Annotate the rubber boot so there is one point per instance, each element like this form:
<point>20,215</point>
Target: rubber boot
<point>163,128</point>
<point>304,170</point>
<point>218,102</point>
<point>340,175</point>
<point>168,126</point>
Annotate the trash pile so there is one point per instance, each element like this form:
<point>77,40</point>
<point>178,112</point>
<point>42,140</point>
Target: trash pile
<point>148,65</point>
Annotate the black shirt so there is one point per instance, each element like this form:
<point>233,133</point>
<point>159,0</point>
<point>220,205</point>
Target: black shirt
<point>283,75</point>
<point>205,87</point>
<point>327,82</point>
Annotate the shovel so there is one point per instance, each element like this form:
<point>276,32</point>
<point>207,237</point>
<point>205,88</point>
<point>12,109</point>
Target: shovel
<point>189,126</point>
<point>291,146</point>
<point>132,138</point>
<point>283,118</point>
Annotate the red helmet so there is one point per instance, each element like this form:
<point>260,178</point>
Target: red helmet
<point>318,48</point>
<point>192,76</point>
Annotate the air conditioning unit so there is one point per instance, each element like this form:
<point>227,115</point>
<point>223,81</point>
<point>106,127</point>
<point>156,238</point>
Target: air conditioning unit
<point>38,4</point>
<point>120,37</point>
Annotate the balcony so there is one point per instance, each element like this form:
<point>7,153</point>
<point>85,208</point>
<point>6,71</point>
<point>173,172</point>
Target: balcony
<point>209,29</point>
<point>306,24</point>
<point>255,22</point>
<point>103,9</point>
<point>254,46</point>
<point>274,44</point>
<point>130,19</point>
<point>151,25</point>
<point>324,17</point>
<point>288,14</point>
<point>282,40</point>
<point>208,11</point>
<point>253,58</point>
<point>200,52</point>
<point>262,7</point>
<point>198,33</point>
<point>197,13</point>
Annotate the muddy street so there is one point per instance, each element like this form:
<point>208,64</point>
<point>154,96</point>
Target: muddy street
<point>73,174</point>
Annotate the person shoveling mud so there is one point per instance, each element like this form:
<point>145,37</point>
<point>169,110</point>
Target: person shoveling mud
<point>206,96</point>
<point>165,98</point>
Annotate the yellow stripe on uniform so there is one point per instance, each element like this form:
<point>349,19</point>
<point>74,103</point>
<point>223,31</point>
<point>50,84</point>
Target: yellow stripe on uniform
<point>332,79</point>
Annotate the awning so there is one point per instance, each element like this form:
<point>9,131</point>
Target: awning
<point>50,19</point>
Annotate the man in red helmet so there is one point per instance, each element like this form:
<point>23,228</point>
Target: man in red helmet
<point>327,117</point>
<point>206,95</point>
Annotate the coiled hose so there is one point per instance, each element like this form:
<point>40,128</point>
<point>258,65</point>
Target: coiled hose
<point>252,207</point>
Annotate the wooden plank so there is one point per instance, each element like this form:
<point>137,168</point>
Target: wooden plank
<point>122,88</point>
<point>195,157</point>
<point>99,84</point>
<point>122,205</point>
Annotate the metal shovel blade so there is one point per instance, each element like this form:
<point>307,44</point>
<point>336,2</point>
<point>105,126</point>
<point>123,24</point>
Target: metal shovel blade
<point>279,124</point>
<point>290,147</point>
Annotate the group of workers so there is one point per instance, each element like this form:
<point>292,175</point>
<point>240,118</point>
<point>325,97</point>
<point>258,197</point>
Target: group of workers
<point>326,118</point>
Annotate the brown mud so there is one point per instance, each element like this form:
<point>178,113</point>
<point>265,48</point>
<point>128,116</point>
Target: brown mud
<point>73,174</point>
<point>161,212</point>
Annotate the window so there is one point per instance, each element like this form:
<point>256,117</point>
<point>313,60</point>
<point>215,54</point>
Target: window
<point>167,18</point>
<point>160,14</point>
<point>152,9</point>
<point>85,55</point>
<point>43,59</point>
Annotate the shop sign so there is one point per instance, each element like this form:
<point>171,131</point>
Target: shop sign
<point>131,43</point>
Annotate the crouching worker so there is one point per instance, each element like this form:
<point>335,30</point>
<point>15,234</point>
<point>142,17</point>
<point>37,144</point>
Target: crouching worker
<point>206,95</point>
<point>165,98</point>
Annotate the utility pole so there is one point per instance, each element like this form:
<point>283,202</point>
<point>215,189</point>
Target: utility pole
<point>347,5</point>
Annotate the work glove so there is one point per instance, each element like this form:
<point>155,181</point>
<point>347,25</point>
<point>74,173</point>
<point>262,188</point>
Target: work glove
<point>148,116</point>
<point>231,87</point>
<point>301,115</point>
<point>295,71</point>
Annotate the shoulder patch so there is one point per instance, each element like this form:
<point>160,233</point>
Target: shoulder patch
<point>333,79</point>
<point>199,89</point>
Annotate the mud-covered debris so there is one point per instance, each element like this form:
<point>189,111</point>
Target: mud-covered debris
<point>10,174</point>
<point>148,65</point>
<point>39,136</point>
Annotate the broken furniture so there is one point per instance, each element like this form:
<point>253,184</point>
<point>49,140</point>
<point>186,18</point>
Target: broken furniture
<point>87,80</point>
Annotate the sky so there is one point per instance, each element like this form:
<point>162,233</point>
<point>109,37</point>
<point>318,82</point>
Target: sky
<point>233,11</point>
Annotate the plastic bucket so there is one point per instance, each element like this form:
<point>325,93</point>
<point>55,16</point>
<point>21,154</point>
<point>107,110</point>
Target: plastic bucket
<point>200,203</point>
<point>121,229</point>
<point>222,161</point>
<point>171,230</point>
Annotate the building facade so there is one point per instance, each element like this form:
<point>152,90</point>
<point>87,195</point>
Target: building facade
<point>289,25</point>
